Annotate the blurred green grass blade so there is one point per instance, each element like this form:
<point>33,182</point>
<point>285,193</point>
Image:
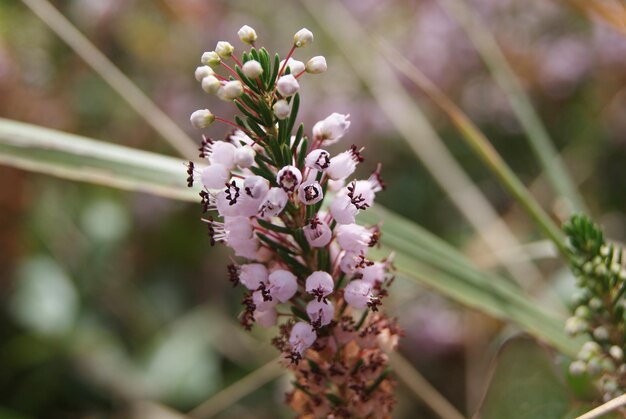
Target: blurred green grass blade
<point>505,77</point>
<point>118,81</point>
<point>497,298</point>
<point>420,255</point>
<point>481,146</point>
<point>525,384</point>
<point>78,158</point>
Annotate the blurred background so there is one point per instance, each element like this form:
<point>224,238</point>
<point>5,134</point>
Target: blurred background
<point>109,298</point>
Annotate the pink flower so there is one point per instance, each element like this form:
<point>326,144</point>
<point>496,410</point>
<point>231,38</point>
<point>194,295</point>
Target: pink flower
<point>358,293</point>
<point>317,233</point>
<point>283,285</point>
<point>302,337</point>
<point>321,313</point>
<point>319,284</point>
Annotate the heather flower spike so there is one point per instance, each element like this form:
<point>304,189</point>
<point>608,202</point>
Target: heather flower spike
<point>288,209</point>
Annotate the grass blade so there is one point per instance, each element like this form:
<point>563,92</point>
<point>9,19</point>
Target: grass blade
<point>481,146</point>
<point>505,77</point>
<point>114,77</point>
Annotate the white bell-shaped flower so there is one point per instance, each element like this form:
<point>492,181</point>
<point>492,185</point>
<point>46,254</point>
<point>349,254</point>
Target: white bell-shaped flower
<point>244,157</point>
<point>223,153</point>
<point>302,336</point>
<point>353,237</point>
<point>343,210</point>
<point>252,275</point>
<point>331,129</point>
<point>310,193</point>
<point>283,285</point>
<point>319,284</point>
<point>317,159</point>
<point>262,303</point>
<point>214,176</point>
<point>373,274</point>
<point>358,293</point>
<point>289,178</point>
<point>350,262</point>
<point>343,164</point>
<point>273,203</point>
<point>317,233</point>
<point>245,248</point>
<point>320,312</point>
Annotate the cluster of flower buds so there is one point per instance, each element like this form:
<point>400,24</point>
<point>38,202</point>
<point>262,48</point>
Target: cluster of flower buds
<point>599,306</point>
<point>288,208</point>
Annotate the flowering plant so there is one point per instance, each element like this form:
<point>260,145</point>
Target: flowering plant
<point>288,207</point>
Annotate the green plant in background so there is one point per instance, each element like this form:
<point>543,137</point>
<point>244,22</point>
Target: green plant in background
<point>599,305</point>
<point>421,257</point>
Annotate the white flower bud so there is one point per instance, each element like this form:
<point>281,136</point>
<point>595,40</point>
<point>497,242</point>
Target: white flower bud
<point>310,193</point>
<point>317,233</point>
<point>289,178</point>
<point>283,285</point>
<point>302,336</point>
<point>252,69</point>
<point>302,37</point>
<point>331,129</point>
<point>211,84</point>
<point>577,368</point>
<point>247,35</point>
<point>321,312</point>
<point>281,109</point>
<point>358,293</point>
<point>287,85</point>
<point>202,118</point>
<point>214,176</point>
<point>231,90</point>
<point>295,67</point>
<point>316,65</point>
<point>616,352</point>
<point>317,159</point>
<point>601,333</point>
<point>203,71</point>
<point>211,58</point>
<point>244,156</point>
<point>252,275</point>
<point>224,49</point>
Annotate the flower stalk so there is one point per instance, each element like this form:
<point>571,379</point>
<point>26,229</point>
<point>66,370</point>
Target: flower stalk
<point>303,264</point>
